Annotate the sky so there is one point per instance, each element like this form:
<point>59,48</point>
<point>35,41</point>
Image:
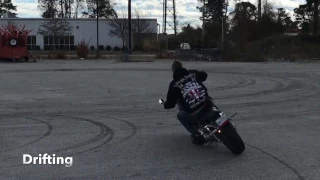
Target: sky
<point>186,9</point>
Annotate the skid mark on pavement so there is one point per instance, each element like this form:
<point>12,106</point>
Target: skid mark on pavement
<point>48,132</point>
<point>104,132</point>
<point>279,160</point>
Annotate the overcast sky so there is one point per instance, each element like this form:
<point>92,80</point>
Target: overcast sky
<point>186,9</point>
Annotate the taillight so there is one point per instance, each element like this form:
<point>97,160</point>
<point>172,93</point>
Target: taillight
<point>224,123</point>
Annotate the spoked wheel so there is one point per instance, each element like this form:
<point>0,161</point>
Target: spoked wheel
<point>232,140</point>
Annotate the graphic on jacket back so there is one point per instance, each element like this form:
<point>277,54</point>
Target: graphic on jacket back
<point>193,93</point>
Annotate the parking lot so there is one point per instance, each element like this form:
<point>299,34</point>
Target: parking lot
<point>106,116</point>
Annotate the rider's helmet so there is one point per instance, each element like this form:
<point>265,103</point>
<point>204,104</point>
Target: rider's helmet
<point>176,65</point>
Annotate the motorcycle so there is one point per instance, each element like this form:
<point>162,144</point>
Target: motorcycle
<point>216,127</point>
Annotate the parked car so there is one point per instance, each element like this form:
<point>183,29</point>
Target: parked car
<point>184,46</point>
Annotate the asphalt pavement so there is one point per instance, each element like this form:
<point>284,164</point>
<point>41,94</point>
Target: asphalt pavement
<point>106,116</point>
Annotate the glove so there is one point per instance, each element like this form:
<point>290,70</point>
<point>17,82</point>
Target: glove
<point>161,101</point>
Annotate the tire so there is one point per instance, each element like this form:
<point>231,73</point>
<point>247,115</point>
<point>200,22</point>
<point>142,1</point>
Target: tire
<point>13,42</point>
<point>232,140</point>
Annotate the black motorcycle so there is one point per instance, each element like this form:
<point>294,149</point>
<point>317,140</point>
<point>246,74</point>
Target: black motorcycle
<point>216,127</point>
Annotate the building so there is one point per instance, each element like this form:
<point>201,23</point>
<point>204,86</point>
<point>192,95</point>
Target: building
<point>83,29</point>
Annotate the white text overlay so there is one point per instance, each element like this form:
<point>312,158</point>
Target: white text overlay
<point>47,159</point>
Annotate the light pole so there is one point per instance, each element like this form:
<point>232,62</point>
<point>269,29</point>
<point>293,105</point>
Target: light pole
<point>129,24</point>
<point>158,31</point>
<point>158,41</point>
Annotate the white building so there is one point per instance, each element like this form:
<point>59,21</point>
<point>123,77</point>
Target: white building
<point>83,29</point>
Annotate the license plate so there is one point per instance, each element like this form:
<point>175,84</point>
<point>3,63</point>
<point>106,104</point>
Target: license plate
<point>223,118</point>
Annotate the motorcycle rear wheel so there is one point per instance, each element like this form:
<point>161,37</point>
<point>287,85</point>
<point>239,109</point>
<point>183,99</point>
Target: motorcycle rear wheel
<point>232,140</point>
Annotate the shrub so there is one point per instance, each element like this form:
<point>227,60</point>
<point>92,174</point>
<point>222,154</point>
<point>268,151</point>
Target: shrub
<point>147,46</point>
<point>98,55</point>
<point>173,42</point>
<point>301,46</point>
<point>314,38</point>
<point>116,48</point>
<point>51,55</point>
<point>253,57</point>
<point>108,48</point>
<point>137,47</point>
<point>247,53</point>
<point>163,45</point>
<point>58,54</point>
<point>92,48</point>
<point>101,47</point>
<point>82,49</point>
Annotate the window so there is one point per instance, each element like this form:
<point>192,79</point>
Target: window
<point>32,42</point>
<point>46,40</point>
<point>60,43</point>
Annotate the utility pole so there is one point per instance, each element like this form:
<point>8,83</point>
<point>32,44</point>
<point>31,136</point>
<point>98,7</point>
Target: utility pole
<point>222,34</point>
<point>224,14</point>
<point>203,25</point>
<point>164,26</point>
<point>129,24</point>
<point>259,10</point>
<point>316,16</point>
<point>171,8</point>
<point>174,18</point>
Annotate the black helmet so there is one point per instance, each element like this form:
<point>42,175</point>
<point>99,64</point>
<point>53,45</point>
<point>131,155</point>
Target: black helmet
<point>176,65</point>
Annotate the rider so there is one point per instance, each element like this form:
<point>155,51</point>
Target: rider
<point>186,90</point>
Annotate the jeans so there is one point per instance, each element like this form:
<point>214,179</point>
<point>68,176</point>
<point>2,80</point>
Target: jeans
<point>186,118</point>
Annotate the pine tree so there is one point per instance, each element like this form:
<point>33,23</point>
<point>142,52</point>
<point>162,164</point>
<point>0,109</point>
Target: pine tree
<point>6,6</point>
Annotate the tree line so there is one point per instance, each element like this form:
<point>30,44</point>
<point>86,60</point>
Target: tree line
<point>246,24</point>
<point>74,8</point>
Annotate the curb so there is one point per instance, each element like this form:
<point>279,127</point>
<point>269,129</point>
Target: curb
<point>75,57</point>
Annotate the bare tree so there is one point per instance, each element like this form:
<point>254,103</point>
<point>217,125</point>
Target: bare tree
<point>65,8</point>
<point>77,6</point>
<point>182,22</point>
<point>57,8</point>
<point>55,27</point>
<point>105,9</point>
<point>48,8</point>
<point>119,27</point>
<point>140,26</point>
